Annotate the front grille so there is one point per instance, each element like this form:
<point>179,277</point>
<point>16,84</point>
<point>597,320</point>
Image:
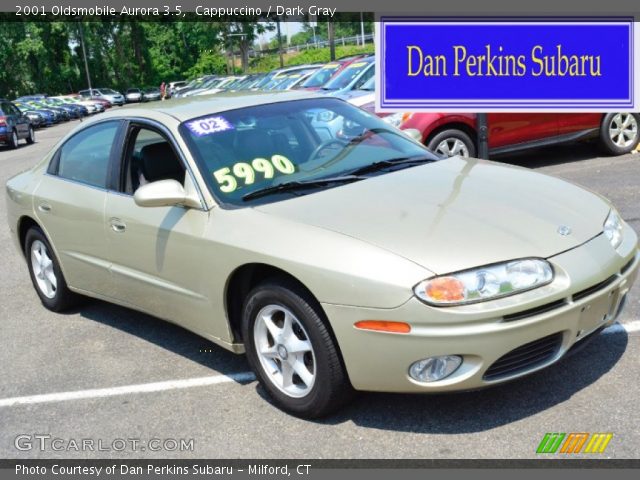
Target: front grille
<point>534,311</point>
<point>594,288</point>
<point>525,357</point>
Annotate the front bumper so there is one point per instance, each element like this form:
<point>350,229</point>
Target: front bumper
<point>498,340</point>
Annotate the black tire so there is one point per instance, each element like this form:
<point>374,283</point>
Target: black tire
<point>31,137</point>
<point>13,140</point>
<point>610,132</point>
<point>451,136</point>
<point>63,298</point>
<point>331,389</point>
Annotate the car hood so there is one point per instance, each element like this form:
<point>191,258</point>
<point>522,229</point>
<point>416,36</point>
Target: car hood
<point>455,214</point>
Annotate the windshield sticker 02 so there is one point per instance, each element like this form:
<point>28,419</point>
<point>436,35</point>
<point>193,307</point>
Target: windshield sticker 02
<point>209,125</point>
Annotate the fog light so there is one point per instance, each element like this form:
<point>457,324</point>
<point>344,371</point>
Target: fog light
<point>433,369</point>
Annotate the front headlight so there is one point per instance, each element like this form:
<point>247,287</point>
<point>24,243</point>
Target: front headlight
<point>613,229</point>
<point>485,283</point>
<point>397,119</point>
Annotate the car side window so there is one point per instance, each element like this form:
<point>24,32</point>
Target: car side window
<point>365,77</point>
<point>13,110</point>
<point>85,157</point>
<point>150,158</point>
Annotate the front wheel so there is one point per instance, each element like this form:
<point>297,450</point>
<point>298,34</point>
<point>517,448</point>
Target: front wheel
<point>451,143</point>
<point>45,272</point>
<point>619,132</point>
<point>292,351</point>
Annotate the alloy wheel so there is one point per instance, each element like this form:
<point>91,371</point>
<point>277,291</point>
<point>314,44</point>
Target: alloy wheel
<point>623,129</point>
<point>43,272</point>
<point>451,147</point>
<point>285,351</point>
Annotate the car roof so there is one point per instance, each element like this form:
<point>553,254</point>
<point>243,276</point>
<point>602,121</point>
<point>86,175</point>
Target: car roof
<point>190,107</point>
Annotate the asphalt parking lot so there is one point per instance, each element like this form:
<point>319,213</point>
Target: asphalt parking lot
<point>202,392</point>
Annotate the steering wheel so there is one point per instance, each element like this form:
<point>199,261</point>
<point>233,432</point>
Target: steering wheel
<point>316,151</point>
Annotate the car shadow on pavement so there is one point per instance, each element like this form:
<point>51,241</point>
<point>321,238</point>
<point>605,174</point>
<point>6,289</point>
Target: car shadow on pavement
<point>464,412</point>
<point>481,410</point>
<point>163,334</point>
<point>555,155</point>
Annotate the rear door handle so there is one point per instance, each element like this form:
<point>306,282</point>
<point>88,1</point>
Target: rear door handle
<point>44,207</point>
<point>118,225</point>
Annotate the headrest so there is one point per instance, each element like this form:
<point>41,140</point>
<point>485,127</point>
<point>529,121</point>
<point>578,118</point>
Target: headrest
<point>159,162</point>
<point>254,143</point>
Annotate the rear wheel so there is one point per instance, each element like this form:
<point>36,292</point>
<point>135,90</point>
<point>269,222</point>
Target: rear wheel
<point>292,351</point>
<point>45,272</point>
<point>451,143</point>
<point>31,137</point>
<point>13,139</point>
<point>619,132</point>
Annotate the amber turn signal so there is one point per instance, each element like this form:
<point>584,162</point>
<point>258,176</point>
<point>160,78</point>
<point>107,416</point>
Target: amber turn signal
<point>383,326</point>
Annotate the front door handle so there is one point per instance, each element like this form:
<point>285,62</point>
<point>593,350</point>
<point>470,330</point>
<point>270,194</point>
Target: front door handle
<point>44,207</point>
<point>118,225</point>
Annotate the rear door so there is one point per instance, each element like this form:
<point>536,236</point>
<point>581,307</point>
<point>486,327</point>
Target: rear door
<point>69,203</point>
<point>21,121</point>
<point>577,123</point>
<point>512,129</point>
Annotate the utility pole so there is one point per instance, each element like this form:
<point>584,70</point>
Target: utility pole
<point>483,136</point>
<point>362,27</point>
<point>279,42</point>
<point>332,40</point>
<point>84,55</point>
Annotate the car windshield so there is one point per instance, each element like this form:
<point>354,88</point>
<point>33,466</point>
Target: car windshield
<point>108,91</point>
<point>369,85</point>
<point>288,81</point>
<point>266,79</point>
<point>346,76</point>
<point>322,76</point>
<point>133,90</point>
<point>243,151</point>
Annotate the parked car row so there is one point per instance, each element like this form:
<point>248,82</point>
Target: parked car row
<point>136,95</point>
<point>20,118</point>
<point>448,134</point>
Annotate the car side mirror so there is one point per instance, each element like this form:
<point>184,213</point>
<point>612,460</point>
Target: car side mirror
<point>413,133</point>
<point>164,193</point>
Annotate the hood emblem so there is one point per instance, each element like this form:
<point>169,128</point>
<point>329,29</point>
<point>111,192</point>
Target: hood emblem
<point>564,231</point>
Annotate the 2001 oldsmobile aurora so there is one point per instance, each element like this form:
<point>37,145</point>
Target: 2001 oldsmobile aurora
<point>333,249</point>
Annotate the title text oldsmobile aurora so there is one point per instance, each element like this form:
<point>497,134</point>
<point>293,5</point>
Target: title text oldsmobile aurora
<point>333,249</point>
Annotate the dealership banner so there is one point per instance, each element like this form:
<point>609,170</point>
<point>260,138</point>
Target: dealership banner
<point>498,65</point>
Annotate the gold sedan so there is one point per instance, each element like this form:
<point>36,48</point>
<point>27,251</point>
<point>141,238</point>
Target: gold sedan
<point>336,251</point>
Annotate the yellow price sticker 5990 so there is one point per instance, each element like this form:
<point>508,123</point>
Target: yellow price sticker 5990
<point>228,177</point>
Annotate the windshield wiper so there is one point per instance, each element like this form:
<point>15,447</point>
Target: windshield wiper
<point>382,164</point>
<point>299,185</point>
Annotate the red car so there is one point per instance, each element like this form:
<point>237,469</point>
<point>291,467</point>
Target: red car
<point>327,72</point>
<point>455,133</point>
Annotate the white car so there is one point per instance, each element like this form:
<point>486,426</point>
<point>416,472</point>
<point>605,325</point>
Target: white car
<point>92,107</point>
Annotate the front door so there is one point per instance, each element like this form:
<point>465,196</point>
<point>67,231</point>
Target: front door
<point>156,253</point>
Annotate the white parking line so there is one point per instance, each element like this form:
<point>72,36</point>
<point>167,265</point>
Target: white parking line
<point>127,389</point>
<point>629,327</point>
